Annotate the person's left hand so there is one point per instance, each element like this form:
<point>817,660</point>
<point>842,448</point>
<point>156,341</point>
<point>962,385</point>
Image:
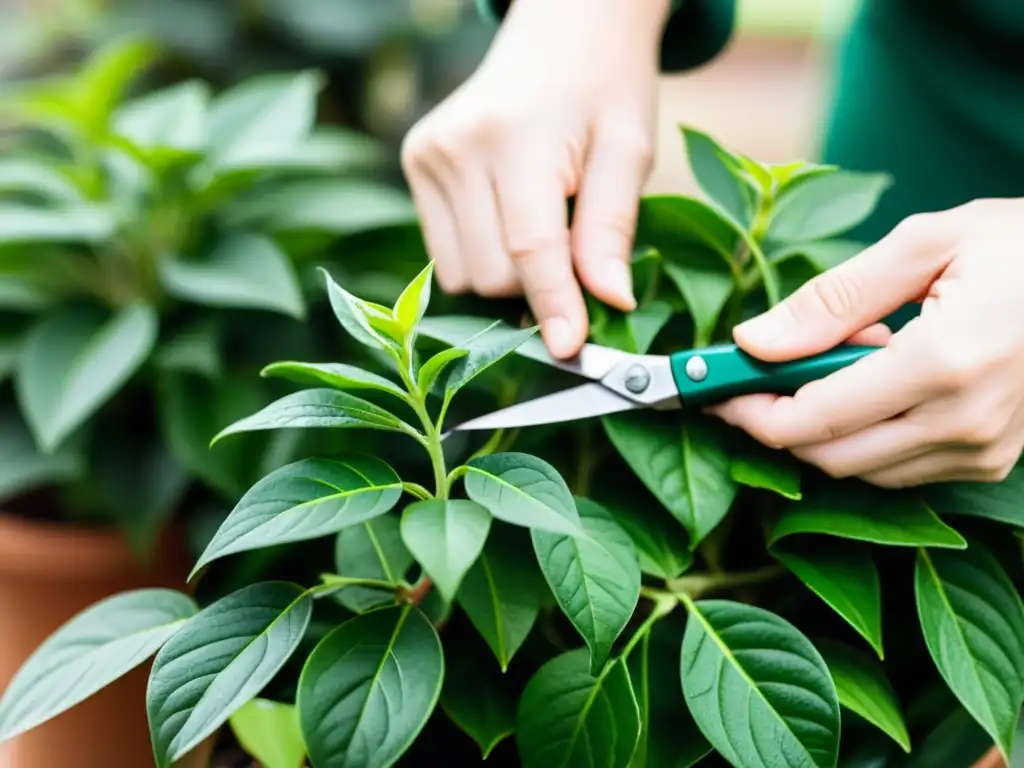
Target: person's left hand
<point>943,399</point>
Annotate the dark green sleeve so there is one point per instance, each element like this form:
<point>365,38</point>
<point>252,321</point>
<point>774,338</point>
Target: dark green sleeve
<point>696,32</point>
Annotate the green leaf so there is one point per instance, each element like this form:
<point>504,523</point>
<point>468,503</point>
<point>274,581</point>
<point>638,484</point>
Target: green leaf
<point>193,349</point>
<point>659,539</point>
<point>973,624</point>
<point>719,175</point>
<point>24,294</point>
<point>29,177</point>
<point>219,660</point>
<point>483,350</point>
<point>171,118</point>
<point>369,687</point>
<point>596,580</point>
<point>788,174</point>
<point>329,149</point>
<point>756,466</point>
<point>107,74</point>
<point>337,375</point>
<point>523,490</point>
<point>673,223</point>
<point>843,574</point>
<point>568,717</point>
<point>432,370</point>
<point>73,362</point>
<point>854,510</point>
<point>459,330</point>
<point>316,408</point>
<point>68,224</point>
<point>270,733</point>
<point>822,255</point>
<point>825,205</point>
<point>757,688</point>
<point>412,303</point>
<point>991,501</point>
<point>706,284</point>
<point>24,468</point>
<point>352,314</point>
<point>499,598</point>
<point>479,699</point>
<point>956,741</point>
<point>245,272</point>
<point>684,465</point>
<point>306,500</point>
<point>373,550</point>
<point>863,688</point>
<point>446,537</point>
<point>271,110</point>
<point>89,652</point>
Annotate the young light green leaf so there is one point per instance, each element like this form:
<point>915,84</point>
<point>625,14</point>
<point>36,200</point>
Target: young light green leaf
<point>973,624</point>
<point>269,732</point>
<point>843,574</point>
<point>500,597</point>
<point>268,111</point>
<point>245,271</point>
<point>479,699</point>
<point>306,500</point>
<point>825,205</point>
<point>432,371</point>
<point>317,408</point>
<point>684,465</point>
<point>89,652</point>
<point>73,223</point>
<point>337,375</point>
<point>106,75</point>
<point>369,687</point>
<point>171,118</point>
<point>35,178</point>
<point>23,467</point>
<point>412,303</point>
<point>220,659</point>
<point>372,550</point>
<point>446,537</point>
<point>991,501</point>
<point>857,511</point>
<point>659,539</point>
<point>568,717</point>
<point>353,317</point>
<point>787,174</point>
<point>863,688</point>
<point>74,361</point>
<point>757,687</point>
<point>596,580</point>
<point>523,490</point>
<point>719,175</point>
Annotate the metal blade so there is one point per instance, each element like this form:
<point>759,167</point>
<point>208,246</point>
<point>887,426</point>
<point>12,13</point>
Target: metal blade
<point>582,402</point>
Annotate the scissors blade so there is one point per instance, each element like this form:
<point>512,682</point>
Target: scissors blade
<point>582,402</point>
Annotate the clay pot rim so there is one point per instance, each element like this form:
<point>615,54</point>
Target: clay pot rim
<point>42,549</point>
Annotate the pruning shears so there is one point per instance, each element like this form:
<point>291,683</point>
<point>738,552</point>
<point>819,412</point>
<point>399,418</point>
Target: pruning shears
<point>621,381</point>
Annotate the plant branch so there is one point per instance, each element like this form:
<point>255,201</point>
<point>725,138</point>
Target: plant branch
<point>417,490</point>
<point>664,604</point>
<point>332,582</point>
<point>698,584</point>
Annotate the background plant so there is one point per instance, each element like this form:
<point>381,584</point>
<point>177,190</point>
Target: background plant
<point>682,596</point>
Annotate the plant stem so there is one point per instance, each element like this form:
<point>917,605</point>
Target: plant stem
<point>663,606</point>
<point>333,582</point>
<point>698,584</point>
<point>417,490</point>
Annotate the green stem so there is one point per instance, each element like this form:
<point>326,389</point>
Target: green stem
<point>417,490</point>
<point>332,582</point>
<point>455,474</point>
<point>663,605</point>
<point>771,287</point>
<point>698,584</point>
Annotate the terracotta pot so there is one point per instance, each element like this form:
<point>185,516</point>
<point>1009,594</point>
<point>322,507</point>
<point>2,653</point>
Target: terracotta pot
<point>992,759</point>
<point>48,573</point>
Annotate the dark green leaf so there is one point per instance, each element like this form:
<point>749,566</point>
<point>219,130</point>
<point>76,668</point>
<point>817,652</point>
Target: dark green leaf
<point>719,175</point>
<point>479,699</point>
<point>672,223</point>
<point>659,539</point>
<point>955,742</point>
<point>841,573</point>
<point>245,271</point>
<point>973,623</point>
<point>706,284</point>
<point>88,653</point>
<point>23,467</point>
<point>863,688</point>
<point>482,351</point>
<point>500,597</point>
<point>459,330</point>
<point>306,500</point>
<point>73,362</point>
<point>373,550</point>
<point>337,375</point>
<point>269,732</point>
<point>316,408</point>
<point>194,349</point>
<point>369,687</point>
<point>684,465</point>
<point>757,688</point>
<point>446,537</point>
<point>596,580</point>
<point>69,224</point>
<point>857,511</point>
<point>826,205</point>
<point>645,323</point>
<point>568,717</point>
<point>756,466</point>
<point>219,660</point>
<point>991,501</point>
<point>523,490</point>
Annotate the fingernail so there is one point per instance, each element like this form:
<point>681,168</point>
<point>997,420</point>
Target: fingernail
<point>619,279</point>
<point>763,329</point>
<point>558,336</point>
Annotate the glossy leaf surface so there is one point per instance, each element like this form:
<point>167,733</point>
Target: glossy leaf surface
<point>446,537</point>
<point>372,550</point>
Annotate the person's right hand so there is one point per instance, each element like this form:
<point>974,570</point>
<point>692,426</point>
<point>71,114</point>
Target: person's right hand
<point>562,105</point>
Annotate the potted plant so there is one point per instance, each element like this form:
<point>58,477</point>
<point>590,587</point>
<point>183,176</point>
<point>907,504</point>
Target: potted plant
<point>650,591</point>
<point>153,257</point>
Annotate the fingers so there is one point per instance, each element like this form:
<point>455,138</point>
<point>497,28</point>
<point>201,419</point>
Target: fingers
<point>943,467</point>
<point>532,209</point>
<point>439,233</point>
<point>846,299</point>
<point>871,450</point>
<point>605,220</point>
<point>485,260</point>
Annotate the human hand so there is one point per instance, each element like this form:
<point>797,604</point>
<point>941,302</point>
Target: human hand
<point>562,105</point>
<point>943,399</point>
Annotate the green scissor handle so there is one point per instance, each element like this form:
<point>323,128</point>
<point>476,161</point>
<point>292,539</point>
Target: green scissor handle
<point>713,374</point>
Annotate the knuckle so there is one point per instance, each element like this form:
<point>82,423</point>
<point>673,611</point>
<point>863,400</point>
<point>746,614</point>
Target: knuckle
<point>916,228</point>
<point>525,243</point>
<point>836,294</point>
<point>980,431</point>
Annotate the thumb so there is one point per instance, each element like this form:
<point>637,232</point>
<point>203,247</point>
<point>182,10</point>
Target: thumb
<point>835,305</point>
